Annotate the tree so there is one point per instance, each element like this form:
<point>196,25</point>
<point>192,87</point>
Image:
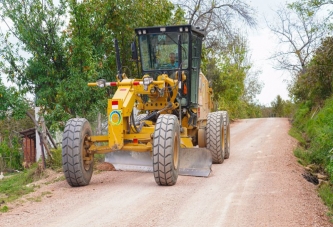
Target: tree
<point>225,61</point>
<point>13,119</point>
<point>235,86</point>
<point>313,6</point>
<point>253,87</point>
<point>278,106</point>
<point>218,18</point>
<point>298,35</point>
<point>33,50</point>
<point>62,58</point>
<point>12,104</point>
<point>316,84</point>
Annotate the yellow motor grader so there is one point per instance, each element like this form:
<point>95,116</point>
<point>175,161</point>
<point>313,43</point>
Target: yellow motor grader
<point>161,123</point>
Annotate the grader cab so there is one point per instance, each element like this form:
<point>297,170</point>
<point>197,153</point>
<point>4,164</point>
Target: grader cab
<point>161,123</point>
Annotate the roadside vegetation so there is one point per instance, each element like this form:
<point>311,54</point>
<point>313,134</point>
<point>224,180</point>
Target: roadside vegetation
<point>313,127</point>
<point>306,53</point>
<point>19,183</point>
<point>14,186</point>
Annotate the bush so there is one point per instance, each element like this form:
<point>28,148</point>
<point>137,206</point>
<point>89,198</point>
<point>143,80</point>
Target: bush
<point>11,156</point>
<point>320,132</point>
<point>56,162</point>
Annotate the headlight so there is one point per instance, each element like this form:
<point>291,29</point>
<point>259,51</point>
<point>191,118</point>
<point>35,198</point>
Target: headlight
<point>101,83</point>
<point>147,80</point>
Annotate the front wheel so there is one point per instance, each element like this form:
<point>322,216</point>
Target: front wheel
<point>77,163</point>
<point>166,148</point>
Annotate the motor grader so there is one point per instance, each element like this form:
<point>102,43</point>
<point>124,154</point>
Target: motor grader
<point>161,123</point>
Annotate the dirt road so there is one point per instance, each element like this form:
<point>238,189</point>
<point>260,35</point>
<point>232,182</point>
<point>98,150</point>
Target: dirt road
<point>260,185</point>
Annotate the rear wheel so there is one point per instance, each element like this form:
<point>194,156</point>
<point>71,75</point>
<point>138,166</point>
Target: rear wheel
<point>166,148</point>
<point>226,129</point>
<point>215,137</point>
<point>77,163</point>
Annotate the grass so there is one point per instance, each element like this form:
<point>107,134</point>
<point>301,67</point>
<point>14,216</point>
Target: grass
<point>304,156</point>
<point>16,186</point>
<point>326,194</point>
<point>13,187</point>
<point>294,132</point>
<point>4,209</point>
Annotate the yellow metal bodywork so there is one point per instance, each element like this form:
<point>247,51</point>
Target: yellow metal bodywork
<point>121,136</point>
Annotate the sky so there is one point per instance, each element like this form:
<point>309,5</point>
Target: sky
<point>262,44</point>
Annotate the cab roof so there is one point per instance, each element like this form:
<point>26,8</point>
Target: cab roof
<point>174,28</point>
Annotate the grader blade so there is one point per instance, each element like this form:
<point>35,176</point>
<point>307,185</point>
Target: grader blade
<point>130,161</point>
<point>193,161</point>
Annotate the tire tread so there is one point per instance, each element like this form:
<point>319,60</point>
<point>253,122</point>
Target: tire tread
<point>163,167</point>
<point>214,136</point>
<point>72,165</point>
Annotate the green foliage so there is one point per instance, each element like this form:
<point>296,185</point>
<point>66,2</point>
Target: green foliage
<point>310,7</point>
<point>319,129</point>
<point>277,106</point>
<point>326,194</point>
<point>282,108</point>
<point>253,110</point>
<point>11,141</point>
<point>178,17</point>
<point>4,209</point>
<point>37,26</point>
<point>315,85</point>
<point>10,156</point>
<point>12,103</point>
<point>315,127</point>
<point>301,116</point>
<point>329,168</point>
<point>303,155</point>
<point>56,162</point>
<point>63,58</point>
<point>312,90</point>
<point>296,133</point>
<point>233,68</point>
<point>234,86</point>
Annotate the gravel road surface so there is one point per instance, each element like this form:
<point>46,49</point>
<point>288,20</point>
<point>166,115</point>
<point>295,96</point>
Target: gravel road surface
<point>259,185</point>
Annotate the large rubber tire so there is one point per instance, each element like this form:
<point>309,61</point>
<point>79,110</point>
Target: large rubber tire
<point>215,137</point>
<point>77,170</point>
<point>226,128</point>
<point>166,148</point>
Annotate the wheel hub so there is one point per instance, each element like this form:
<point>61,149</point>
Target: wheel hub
<point>86,155</point>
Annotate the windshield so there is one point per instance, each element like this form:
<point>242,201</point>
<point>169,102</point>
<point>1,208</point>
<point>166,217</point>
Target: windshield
<point>160,51</point>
